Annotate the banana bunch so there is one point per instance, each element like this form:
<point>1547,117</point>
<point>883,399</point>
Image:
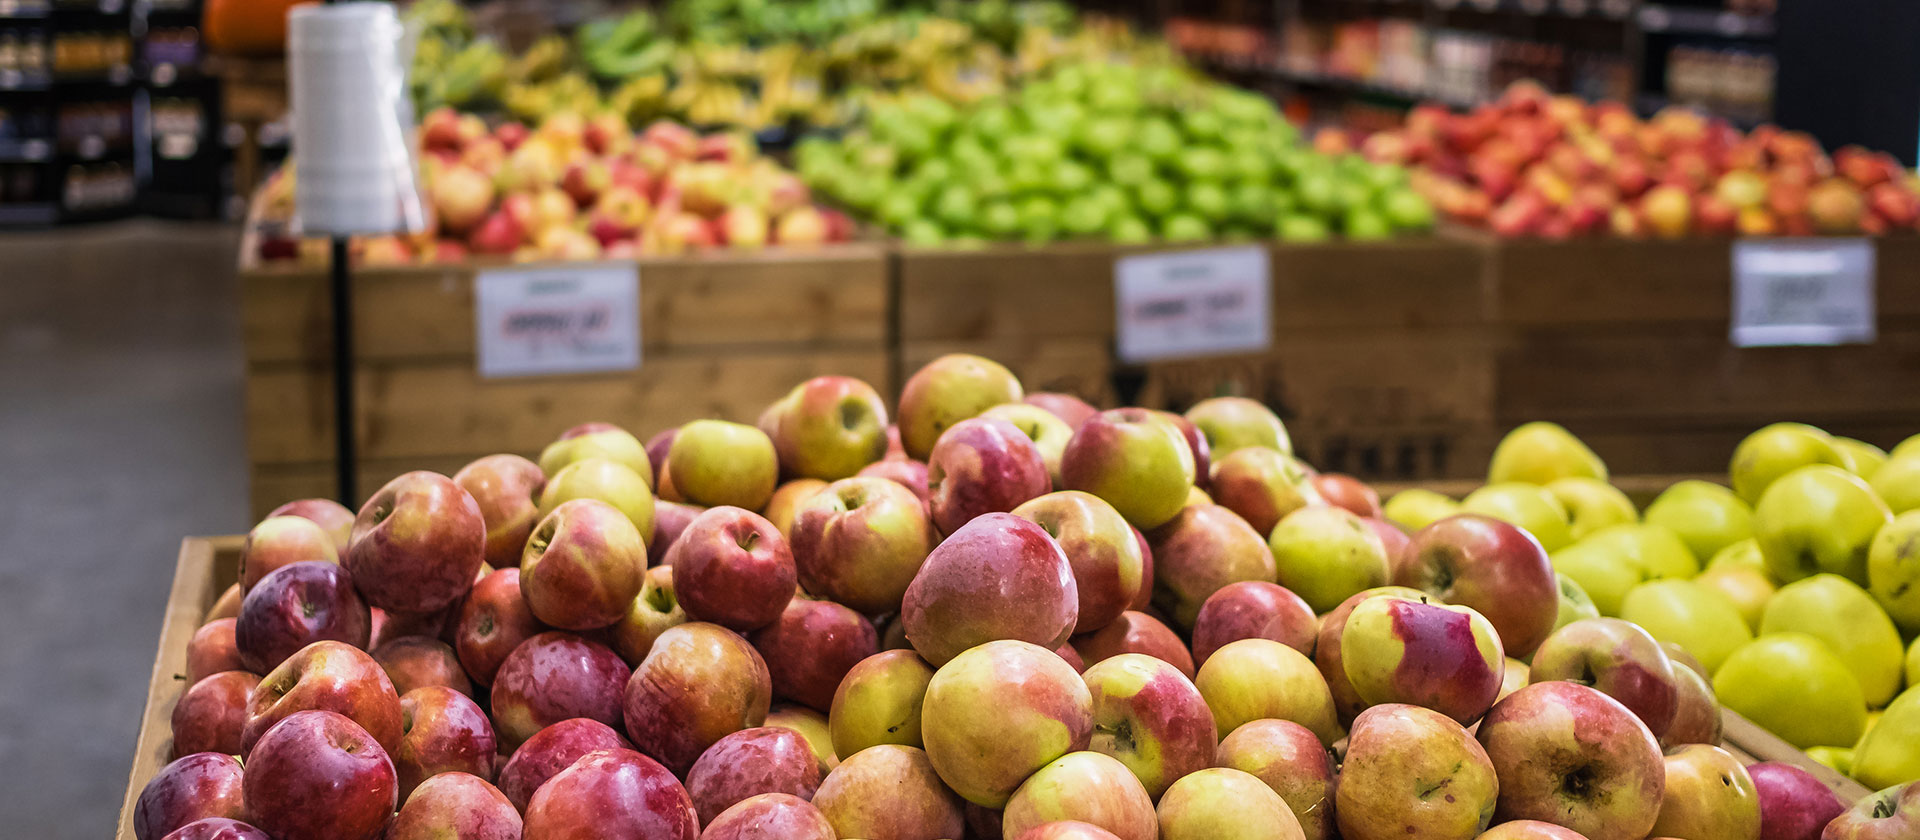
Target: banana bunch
<point>545,61</point>
<point>710,102</point>
<point>568,92</point>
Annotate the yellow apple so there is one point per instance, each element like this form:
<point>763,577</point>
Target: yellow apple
<point>1613,560</point>
<point>1866,457</point>
<point>1913,663</point>
<point>1776,450</point>
<point>1793,686</point>
<point>1417,508</point>
<point>1838,759</point>
<point>1910,446</point>
<point>1818,519</point>
<point>1708,796</point>
<point>1697,618</point>
<point>1540,452</point>
<point>1591,504</point>
<point>1889,754</point>
<point>1743,553</point>
<point>1574,602</point>
<point>1747,587</point>
<point>1528,506</point>
<point>1707,516</point>
<point>1893,570</point>
<point>1898,482</point>
<point>1844,617</point>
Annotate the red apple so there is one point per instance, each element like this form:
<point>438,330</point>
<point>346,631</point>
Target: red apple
<point>1262,486</point>
<point>1496,568</point>
<point>979,466</point>
<point>282,541</point>
<point>1134,632</point>
<point>1402,650</point>
<point>331,516</point>
<point>612,795</point>
<point>1069,408</point>
<point>212,713</point>
<point>1143,599</point>
<point>328,676</point>
<point>670,520</point>
<point>552,677</point>
<point>700,683</point>
<point>810,648</point>
<point>1100,547</point>
<point>417,544</point>
<point>501,232</point>
<point>905,472</point>
<point>1794,804</point>
<point>494,619</point>
<point>751,762</point>
<point>443,731</point>
<point>1348,492</point>
<point>889,791</point>
<point>731,567</point>
<point>507,488</point>
<point>316,775</point>
<point>1529,830</point>
<point>1253,609</point>
<point>1569,755</point>
<point>388,626</point>
<point>1326,650</point>
<point>1289,758</point>
<point>417,661</point>
<point>770,816</point>
<point>1150,717</point>
<point>583,565</point>
<point>455,805</point>
<point>190,788</point>
<point>1696,718</point>
<point>1202,550</point>
<point>216,828</point>
<point>552,750</point>
<point>997,577</point>
<point>213,649</point>
<point>860,541</point>
<point>1619,659</point>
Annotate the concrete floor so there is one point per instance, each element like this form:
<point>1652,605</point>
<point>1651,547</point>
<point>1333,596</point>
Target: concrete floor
<point>120,432</point>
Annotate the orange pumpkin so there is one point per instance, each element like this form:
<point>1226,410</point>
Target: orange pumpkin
<point>247,27</point>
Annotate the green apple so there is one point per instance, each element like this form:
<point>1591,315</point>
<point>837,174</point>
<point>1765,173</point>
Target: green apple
<point>878,702</point>
<point>1231,423</point>
<point>607,481</point>
<point>597,440</point>
<point>1529,506</point>
<point>1910,446</point>
<point>1893,570</point>
<point>1136,460</point>
<point>1746,586</point>
<point>1696,617</point>
<point>1792,685</point>
<point>1574,602</point>
<point>1708,796</point>
<point>1185,227</point>
<point>947,390</point>
<point>1707,516</point>
<point>1898,482</point>
<point>1913,664</point>
<point>1129,230</point>
<point>1417,507</point>
<point>1889,754</point>
<point>1220,803</point>
<point>1841,614</point>
<point>1818,519</point>
<point>1776,450</point>
<point>1613,560</point>
<point>1255,679</point>
<point>1539,452</point>
<point>1866,457</point>
<point>1591,504</point>
<point>1326,554</point>
<point>1299,227</point>
<point>1837,759</point>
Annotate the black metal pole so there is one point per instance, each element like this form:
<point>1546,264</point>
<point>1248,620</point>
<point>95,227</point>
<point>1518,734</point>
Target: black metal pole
<point>345,449</point>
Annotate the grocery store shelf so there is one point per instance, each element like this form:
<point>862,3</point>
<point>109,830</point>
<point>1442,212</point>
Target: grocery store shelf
<point>25,10</point>
<point>1676,20</point>
<point>1361,86</point>
<point>1576,9</point>
<point>36,214</point>
<point>18,80</point>
<point>33,150</point>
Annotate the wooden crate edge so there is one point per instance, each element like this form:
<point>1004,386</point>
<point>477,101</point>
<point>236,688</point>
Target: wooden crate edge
<point>1755,741</point>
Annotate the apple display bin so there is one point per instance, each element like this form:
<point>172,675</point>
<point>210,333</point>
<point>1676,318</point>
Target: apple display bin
<point>1381,361</point>
<point>208,565</point>
<point>722,335</point>
<point>1626,342</point>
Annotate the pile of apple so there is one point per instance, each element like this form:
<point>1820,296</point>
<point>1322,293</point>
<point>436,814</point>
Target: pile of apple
<point>1532,164</point>
<point>1793,586</point>
<point>577,188</point>
<point>1003,615</point>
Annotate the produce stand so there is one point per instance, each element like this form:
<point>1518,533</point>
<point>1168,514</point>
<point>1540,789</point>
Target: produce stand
<point>207,565</point>
<point>722,335</point>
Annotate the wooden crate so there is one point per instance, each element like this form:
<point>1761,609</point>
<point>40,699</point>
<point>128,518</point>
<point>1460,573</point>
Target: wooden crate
<point>722,336</point>
<point>207,565</point>
<point>1381,359</point>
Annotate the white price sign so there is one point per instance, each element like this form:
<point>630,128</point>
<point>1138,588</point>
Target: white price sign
<point>1803,292</point>
<point>557,319</point>
<point>1193,303</point>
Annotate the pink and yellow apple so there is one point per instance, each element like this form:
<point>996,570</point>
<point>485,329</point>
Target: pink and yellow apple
<point>997,713</point>
<point>997,577</point>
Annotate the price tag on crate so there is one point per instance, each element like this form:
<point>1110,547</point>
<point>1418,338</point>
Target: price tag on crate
<point>557,319</point>
<point>1193,303</point>
<point>1803,292</point>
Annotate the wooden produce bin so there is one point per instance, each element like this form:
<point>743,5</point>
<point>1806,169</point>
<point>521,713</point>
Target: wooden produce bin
<point>723,335</point>
<point>1626,342</point>
<point>1381,361</point>
<point>207,565</point>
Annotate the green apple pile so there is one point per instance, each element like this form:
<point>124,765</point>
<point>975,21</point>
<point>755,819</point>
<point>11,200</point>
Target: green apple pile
<point>1796,585</point>
<point>1120,152</point>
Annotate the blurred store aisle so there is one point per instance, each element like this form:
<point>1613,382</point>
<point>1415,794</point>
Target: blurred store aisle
<point>120,432</point>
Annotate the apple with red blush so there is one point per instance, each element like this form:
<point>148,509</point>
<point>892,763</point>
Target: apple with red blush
<point>905,472</point>
<point>670,520</point>
<point>1204,549</point>
<point>700,683</point>
<point>552,677</point>
<point>997,577</point>
<point>810,648</point>
<point>653,611</point>
<point>216,828</point>
<point>552,750</point>
<point>1494,567</point>
<point>1253,609</point>
<point>442,731</point>
<point>1069,408</point>
<point>982,465</point>
<point>493,620</point>
<point>211,714</point>
<point>828,427</point>
<point>1568,754</point>
<point>770,816</point>
<point>1290,759</point>
<point>860,541</point>
<point>1101,548</point>
<point>455,805</point>
<point>1151,718</point>
<point>329,676</point>
<point>1134,632</point>
<point>614,795</point>
<point>1794,804</point>
<point>507,489</point>
<point>295,606</point>
<point>283,541</point>
<point>189,788</point>
<point>331,516</point>
<point>1619,659</point>
<point>582,566</point>
<point>418,661</point>
<point>1345,491</point>
<point>317,775</point>
<point>731,567</point>
<point>417,544</point>
<point>213,649</point>
<point>751,762</point>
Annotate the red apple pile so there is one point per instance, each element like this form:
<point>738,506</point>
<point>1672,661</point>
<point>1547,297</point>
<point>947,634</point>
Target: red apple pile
<point>1533,164</point>
<point>583,189</point>
<point>800,629</point>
